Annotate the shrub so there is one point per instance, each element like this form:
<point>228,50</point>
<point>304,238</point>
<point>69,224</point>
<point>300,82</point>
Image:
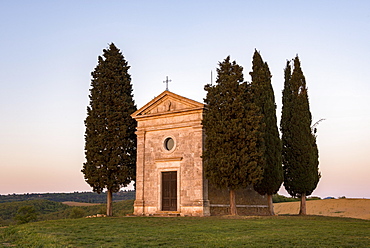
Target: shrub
<point>313,198</point>
<point>280,198</point>
<point>76,212</point>
<point>25,214</point>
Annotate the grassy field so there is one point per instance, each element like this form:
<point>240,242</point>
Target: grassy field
<point>277,231</point>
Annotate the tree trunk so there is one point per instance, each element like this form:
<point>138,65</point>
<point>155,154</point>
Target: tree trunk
<point>270,205</point>
<point>233,210</point>
<point>302,211</point>
<point>109,203</point>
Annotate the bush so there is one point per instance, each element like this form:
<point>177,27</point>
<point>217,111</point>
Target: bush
<point>76,212</point>
<point>123,208</point>
<point>313,198</point>
<point>26,214</point>
<point>280,198</point>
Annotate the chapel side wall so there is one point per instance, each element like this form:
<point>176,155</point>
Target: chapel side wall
<point>194,201</point>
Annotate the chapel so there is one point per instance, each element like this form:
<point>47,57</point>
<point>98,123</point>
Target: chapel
<point>170,178</point>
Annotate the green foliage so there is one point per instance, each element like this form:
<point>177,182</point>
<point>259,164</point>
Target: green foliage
<point>276,198</point>
<point>25,214</point>
<point>76,212</point>
<point>9,210</point>
<point>281,231</point>
<point>300,153</point>
<point>233,130</point>
<point>312,198</point>
<point>110,146</point>
<point>263,97</point>
<point>123,208</point>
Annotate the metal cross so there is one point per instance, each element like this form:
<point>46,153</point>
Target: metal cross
<point>167,81</point>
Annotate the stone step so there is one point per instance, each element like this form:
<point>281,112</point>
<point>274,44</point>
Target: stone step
<point>167,214</point>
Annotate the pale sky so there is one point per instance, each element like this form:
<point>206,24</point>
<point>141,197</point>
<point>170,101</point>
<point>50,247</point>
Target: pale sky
<point>49,48</point>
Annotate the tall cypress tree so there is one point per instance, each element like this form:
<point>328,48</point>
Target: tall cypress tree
<point>263,97</point>
<point>110,141</point>
<point>299,153</point>
<point>232,127</point>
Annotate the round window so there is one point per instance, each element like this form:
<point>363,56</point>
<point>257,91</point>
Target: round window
<point>169,143</point>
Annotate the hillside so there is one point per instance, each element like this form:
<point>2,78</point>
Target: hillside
<point>353,208</point>
<point>49,210</point>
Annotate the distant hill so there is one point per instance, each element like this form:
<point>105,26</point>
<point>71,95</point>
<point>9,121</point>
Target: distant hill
<point>89,197</point>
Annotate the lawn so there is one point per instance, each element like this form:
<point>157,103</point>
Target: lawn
<point>277,231</point>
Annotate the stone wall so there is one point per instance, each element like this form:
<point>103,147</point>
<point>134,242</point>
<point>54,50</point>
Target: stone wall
<point>248,201</point>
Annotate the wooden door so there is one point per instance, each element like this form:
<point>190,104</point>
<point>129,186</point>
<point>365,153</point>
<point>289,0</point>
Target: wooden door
<point>169,191</point>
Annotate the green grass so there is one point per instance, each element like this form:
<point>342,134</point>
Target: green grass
<point>280,231</point>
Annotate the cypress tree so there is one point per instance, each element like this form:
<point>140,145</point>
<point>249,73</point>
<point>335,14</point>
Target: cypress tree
<point>299,152</point>
<point>110,141</point>
<point>263,97</point>
<point>232,127</point>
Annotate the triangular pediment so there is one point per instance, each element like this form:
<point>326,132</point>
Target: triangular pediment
<point>167,102</point>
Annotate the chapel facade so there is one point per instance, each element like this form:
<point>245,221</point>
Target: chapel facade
<point>170,176</point>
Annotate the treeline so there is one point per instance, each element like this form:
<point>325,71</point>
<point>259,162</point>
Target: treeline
<point>89,197</point>
<point>19,212</point>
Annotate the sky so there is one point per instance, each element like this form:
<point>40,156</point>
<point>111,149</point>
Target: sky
<point>48,50</point>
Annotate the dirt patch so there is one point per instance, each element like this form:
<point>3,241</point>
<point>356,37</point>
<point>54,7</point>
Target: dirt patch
<point>353,208</point>
<point>79,204</point>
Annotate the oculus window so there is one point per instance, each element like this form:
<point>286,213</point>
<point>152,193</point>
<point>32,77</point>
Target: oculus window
<point>169,144</point>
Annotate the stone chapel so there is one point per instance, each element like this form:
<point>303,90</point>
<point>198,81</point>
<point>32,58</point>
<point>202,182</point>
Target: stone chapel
<point>170,178</point>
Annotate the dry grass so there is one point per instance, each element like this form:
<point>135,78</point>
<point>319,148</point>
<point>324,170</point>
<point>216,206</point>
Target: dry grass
<point>353,208</point>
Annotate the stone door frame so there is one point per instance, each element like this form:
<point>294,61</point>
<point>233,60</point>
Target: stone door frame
<point>167,167</point>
